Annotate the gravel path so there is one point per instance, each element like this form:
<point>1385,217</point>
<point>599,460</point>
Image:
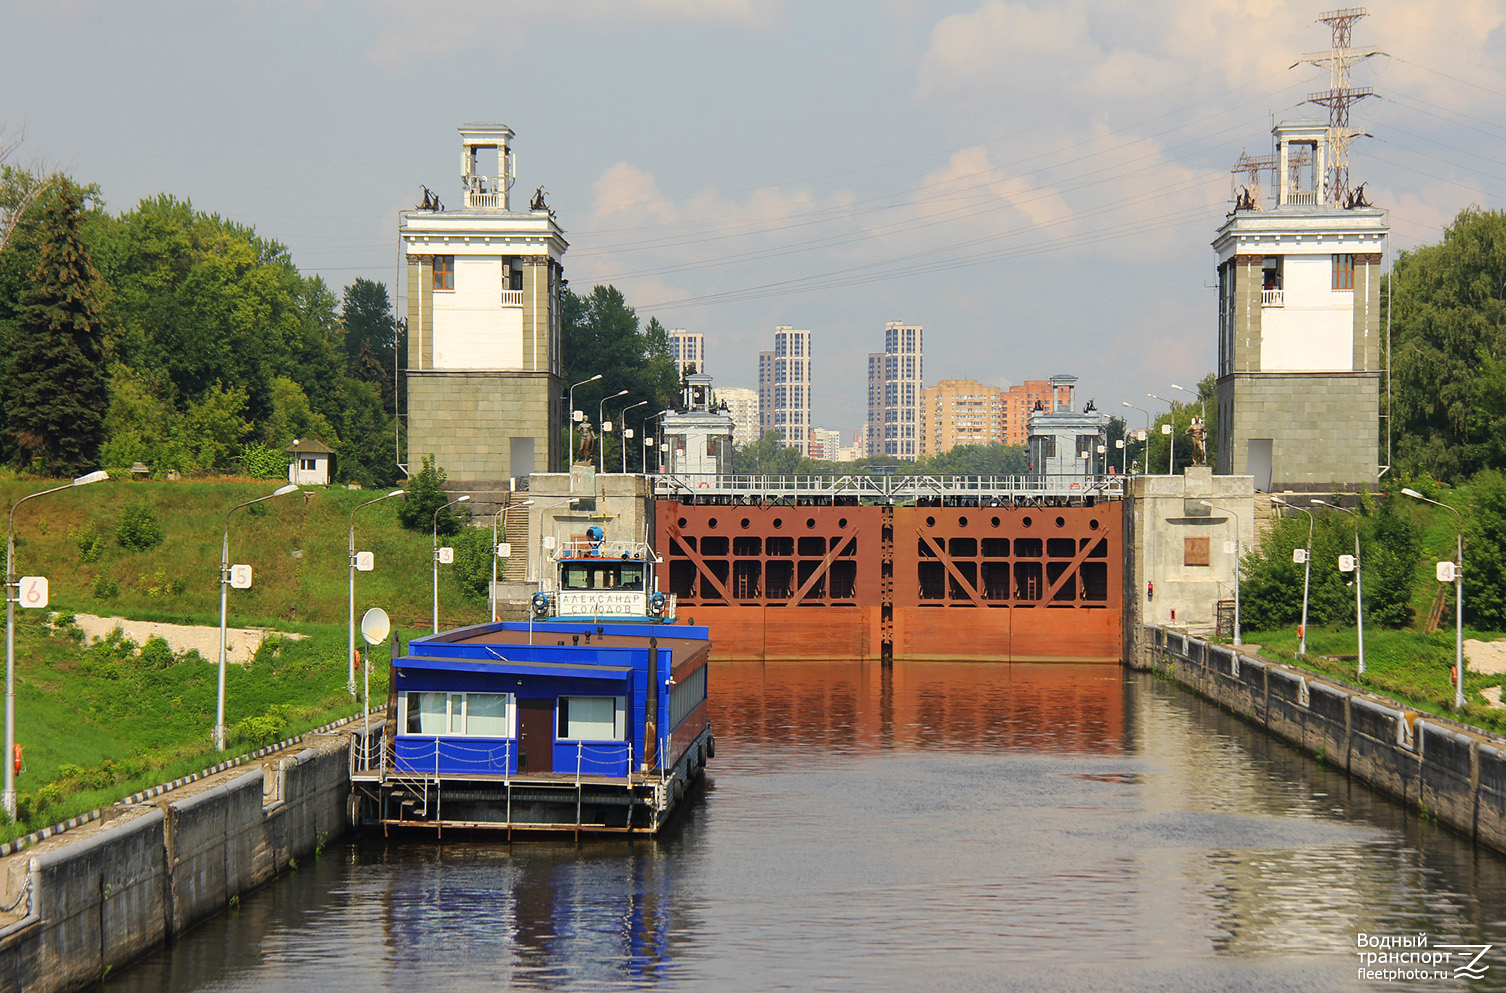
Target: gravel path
<point>1488,657</point>
<point>240,643</point>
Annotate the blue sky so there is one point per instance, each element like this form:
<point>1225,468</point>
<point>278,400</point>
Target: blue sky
<point>1034,182</point>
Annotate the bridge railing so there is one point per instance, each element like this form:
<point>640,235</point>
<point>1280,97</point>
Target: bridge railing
<point>882,488</point>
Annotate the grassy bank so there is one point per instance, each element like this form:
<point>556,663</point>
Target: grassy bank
<point>101,721</point>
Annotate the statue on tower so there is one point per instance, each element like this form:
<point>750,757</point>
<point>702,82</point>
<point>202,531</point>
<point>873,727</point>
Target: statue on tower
<point>586,452</point>
<point>1199,435</point>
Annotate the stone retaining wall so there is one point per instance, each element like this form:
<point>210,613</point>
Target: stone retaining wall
<point>1454,773</point>
<point>105,900</point>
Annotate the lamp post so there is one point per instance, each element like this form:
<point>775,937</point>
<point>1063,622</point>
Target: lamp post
<point>461,499</point>
<point>627,432</point>
<point>601,422</point>
<point>1171,436</point>
<point>1202,411</point>
<point>219,707</point>
<point>1123,446</point>
<point>495,555</point>
<point>570,455</point>
<point>12,592</point>
<point>1359,584</point>
<point>1458,599</point>
<point>1142,410</point>
<point>1307,569</point>
<point>350,683</point>
<point>1232,514</point>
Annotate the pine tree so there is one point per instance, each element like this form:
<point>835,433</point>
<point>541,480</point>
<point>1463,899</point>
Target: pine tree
<point>58,395</point>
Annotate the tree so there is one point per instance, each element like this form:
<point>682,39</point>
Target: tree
<point>426,494</point>
<point>1448,343</point>
<point>601,335</point>
<point>57,396</point>
<point>1180,417</point>
<point>371,337</point>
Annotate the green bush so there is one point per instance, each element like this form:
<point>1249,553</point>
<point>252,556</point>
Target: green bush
<point>155,654</point>
<point>91,542</point>
<point>426,495</point>
<point>260,462</point>
<point>138,529</point>
<point>105,588</point>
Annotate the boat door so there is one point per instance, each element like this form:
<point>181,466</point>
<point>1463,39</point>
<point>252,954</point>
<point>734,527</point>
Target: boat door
<point>535,735</point>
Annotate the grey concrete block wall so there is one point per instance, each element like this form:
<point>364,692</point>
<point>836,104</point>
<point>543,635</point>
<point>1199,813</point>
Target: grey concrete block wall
<point>467,421</point>
<point>1324,427</point>
<point>108,898</point>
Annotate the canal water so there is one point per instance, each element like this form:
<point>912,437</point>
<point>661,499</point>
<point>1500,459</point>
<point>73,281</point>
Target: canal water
<point>925,827</point>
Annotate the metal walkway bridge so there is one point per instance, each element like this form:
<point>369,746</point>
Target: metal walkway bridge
<point>1028,490</point>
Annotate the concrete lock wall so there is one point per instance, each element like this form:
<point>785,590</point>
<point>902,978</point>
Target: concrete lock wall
<point>1454,773</point>
<point>103,901</point>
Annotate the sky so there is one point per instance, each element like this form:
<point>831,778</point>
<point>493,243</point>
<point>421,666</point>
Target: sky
<point>1036,183</point>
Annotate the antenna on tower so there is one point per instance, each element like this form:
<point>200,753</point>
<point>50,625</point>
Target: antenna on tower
<point>1340,95</point>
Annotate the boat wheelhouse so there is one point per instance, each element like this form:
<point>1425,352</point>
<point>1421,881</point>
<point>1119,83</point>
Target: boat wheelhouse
<point>543,726</point>
<point>596,580</point>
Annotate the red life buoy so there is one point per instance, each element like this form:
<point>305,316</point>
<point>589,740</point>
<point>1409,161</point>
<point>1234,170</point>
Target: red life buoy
<point>703,486</point>
<point>18,756</point>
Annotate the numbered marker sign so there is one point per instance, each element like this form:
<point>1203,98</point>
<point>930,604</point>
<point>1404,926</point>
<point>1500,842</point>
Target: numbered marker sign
<point>1346,563</point>
<point>1166,429</point>
<point>33,591</point>
<point>1229,548</point>
<point>365,561</point>
<point>240,577</point>
<point>504,550</point>
<point>1445,572</point>
<point>1299,555</point>
<point>446,555</point>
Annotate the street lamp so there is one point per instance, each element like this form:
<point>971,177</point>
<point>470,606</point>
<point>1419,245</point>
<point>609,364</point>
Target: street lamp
<point>1119,443</point>
<point>495,554</point>
<point>1359,585</point>
<point>1232,514</point>
<point>627,432</point>
<point>1458,600</point>
<point>601,422</point>
<point>351,653</point>
<point>1202,408</point>
<point>219,707</point>
<point>437,512</point>
<point>1147,430</point>
<point>570,455</point>
<point>1171,436</point>
<point>12,593</point>
<point>1307,569</point>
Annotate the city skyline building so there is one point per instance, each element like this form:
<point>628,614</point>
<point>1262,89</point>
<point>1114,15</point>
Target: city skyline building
<point>688,349</point>
<point>894,383</point>
<point>742,407</point>
<point>784,388</point>
<point>967,412</point>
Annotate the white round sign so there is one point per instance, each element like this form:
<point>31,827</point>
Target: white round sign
<point>375,626</point>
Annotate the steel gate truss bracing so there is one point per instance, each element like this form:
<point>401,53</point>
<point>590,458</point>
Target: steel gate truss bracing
<point>952,570</point>
<point>701,568</point>
<point>821,570</point>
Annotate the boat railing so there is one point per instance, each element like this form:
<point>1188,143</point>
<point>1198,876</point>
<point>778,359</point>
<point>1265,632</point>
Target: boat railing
<point>582,548</point>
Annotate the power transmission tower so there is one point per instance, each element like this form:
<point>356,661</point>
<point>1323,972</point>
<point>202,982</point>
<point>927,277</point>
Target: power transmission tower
<point>1339,58</point>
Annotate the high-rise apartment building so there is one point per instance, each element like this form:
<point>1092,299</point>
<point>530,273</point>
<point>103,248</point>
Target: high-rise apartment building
<point>826,444</point>
<point>742,407</point>
<point>784,388</point>
<point>966,412</point>
<point>894,377</point>
<point>688,349</point>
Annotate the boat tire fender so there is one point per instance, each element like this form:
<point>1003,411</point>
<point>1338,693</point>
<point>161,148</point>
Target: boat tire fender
<point>711,747</point>
<point>679,789</point>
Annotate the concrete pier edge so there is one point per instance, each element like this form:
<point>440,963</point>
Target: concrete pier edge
<point>1447,771</point>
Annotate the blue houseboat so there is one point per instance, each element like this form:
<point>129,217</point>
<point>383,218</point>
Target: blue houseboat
<point>592,724</point>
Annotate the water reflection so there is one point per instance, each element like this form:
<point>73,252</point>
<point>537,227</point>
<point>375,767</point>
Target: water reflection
<point>926,826</point>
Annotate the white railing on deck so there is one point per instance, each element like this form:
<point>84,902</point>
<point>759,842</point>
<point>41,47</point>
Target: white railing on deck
<point>1272,298</point>
<point>512,298</point>
<point>1303,198</point>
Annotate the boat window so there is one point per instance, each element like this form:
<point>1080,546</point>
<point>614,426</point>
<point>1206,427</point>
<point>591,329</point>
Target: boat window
<point>577,576</point>
<point>687,695</point>
<point>632,577</point>
<point>591,718</point>
<point>486,715</point>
